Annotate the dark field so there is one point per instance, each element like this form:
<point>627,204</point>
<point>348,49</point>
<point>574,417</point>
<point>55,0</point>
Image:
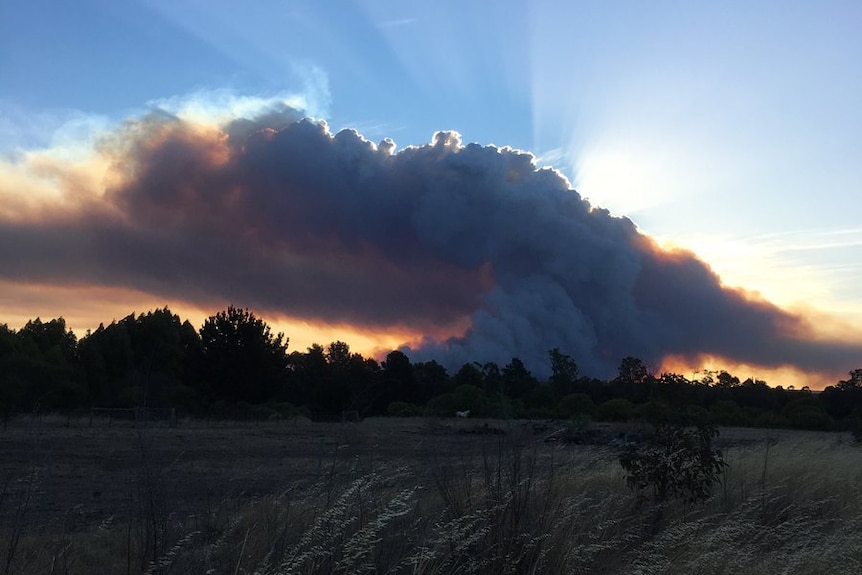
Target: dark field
<point>93,472</point>
<point>408,496</point>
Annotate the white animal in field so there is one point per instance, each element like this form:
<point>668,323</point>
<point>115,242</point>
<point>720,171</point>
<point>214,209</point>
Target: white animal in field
<point>462,413</point>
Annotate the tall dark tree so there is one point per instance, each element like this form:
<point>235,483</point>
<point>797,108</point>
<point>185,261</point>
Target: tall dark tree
<point>844,399</point>
<point>518,382</point>
<point>338,355</point>
<point>140,360</point>
<point>343,378</point>
<point>431,379</point>
<point>364,375</point>
<point>854,382</point>
<point>11,386</point>
<point>470,374</point>
<point>44,366</point>
<point>241,358</point>
<point>633,370</point>
<point>564,374</point>
<point>51,337</point>
<point>398,381</point>
<point>492,379</point>
<point>726,380</point>
<point>163,347</point>
<point>307,377</point>
<point>107,360</point>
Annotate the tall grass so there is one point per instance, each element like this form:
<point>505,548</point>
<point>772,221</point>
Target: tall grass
<point>503,504</point>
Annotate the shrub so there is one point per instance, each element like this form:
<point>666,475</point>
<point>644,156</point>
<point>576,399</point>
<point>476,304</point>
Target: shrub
<point>676,462</point>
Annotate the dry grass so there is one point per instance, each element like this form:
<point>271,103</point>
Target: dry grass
<point>406,497</point>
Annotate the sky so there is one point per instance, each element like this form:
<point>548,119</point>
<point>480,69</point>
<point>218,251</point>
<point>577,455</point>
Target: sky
<point>150,155</point>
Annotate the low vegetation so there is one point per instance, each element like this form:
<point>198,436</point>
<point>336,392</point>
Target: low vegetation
<point>418,496</point>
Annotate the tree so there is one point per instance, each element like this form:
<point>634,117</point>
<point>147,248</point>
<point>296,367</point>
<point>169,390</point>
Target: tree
<point>241,359</point>
<point>854,382</point>
<point>144,359</point>
<point>726,380</point>
<point>51,337</point>
<point>338,355</point>
<point>430,379</point>
<point>518,382</point>
<point>43,367</point>
<point>106,358</point>
<point>11,391</point>
<point>564,373</point>
<point>305,375</point>
<point>492,378</point>
<point>398,380</point>
<point>632,370</point>
<point>470,374</point>
<point>845,397</point>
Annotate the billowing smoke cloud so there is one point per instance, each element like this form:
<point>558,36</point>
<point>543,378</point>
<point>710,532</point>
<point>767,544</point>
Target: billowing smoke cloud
<point>278,214</point>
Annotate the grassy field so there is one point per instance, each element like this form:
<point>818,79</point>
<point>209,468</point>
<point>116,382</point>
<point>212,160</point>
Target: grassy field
<point>408,496</point>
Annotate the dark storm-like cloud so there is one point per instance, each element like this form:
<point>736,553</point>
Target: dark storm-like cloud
<point>277,213</point>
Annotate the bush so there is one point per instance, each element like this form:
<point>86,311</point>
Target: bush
<point>675,463</point>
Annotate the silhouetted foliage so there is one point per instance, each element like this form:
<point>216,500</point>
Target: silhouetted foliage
<point>235,366</point>
<point>38,365</point>
<point>726,380</point>
<point>398,378</point>
<point>632,370</point>
<point>675,462</point>
<point>51,338</point>
<point>517,379</point>
<point>853,383</point>
<point>564,374</point>
<point>470,374</point>
<point>430,379</point>
<point>241,359</point>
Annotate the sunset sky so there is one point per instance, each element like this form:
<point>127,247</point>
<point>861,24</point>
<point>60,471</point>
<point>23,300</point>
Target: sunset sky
<point>145,161</point>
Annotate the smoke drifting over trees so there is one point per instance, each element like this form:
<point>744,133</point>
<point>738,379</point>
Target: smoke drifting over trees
<point>279,214</point>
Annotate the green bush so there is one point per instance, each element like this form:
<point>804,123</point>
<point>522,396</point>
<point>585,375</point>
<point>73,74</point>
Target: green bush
<point>675,462</point>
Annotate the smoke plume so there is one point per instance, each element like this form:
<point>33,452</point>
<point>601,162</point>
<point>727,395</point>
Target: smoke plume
<point>473,245</point>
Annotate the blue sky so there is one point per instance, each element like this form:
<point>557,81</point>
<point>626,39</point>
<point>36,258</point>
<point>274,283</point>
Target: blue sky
<point>730,128</point>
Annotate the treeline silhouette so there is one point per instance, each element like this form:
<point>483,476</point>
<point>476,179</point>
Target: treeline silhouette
<point>235,367</point>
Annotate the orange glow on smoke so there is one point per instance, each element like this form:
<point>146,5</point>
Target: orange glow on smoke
<point>785,376</point>
<point>85,307</point>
